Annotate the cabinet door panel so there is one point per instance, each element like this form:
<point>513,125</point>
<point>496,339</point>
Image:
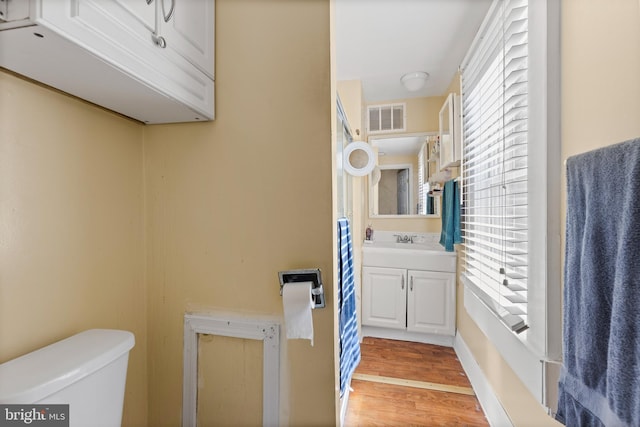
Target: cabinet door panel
<point>431,302</point>
<point>141,10</point>
<point>190,31</point>
<point>384,297</point>
<point>119,19</point>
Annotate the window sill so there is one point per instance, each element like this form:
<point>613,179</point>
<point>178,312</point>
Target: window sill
<point>525,363</point>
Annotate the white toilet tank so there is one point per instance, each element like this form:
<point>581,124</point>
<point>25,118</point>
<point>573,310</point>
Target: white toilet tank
<point>87,371</point>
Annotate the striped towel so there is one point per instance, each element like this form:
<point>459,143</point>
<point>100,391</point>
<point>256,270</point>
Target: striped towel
<point>349,341</point>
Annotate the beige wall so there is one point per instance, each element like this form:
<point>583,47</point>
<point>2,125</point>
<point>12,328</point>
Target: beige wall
<point>600,106</point>
<point>422,113</point>
<point>71,235</point>
<point>350,92</point>
<point>223,398</point>
<point>233,201</point>
<point>454,86</point>
<point>601,65</point>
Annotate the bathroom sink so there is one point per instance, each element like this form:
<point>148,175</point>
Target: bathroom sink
<point>431,246</point>
<point>428,255</point>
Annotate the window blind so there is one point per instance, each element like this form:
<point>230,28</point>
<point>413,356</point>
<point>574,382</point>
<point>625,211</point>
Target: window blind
<point>494,82</point>
<point>422,194</point>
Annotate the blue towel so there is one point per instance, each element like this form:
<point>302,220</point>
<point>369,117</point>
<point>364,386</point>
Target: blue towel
<point>600,379</point>
<point>348,323</point>
<point>450,216</point>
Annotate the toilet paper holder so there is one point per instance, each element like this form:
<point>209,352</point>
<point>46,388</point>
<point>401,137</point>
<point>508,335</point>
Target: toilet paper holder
<point>309,275</point>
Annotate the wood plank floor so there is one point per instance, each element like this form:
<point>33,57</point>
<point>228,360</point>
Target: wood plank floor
<point>401,383</point>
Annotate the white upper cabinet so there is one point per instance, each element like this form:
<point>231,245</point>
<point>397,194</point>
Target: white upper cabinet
<point>121,54</point>
<point>450,132</point>
<point>185,28</point>
<point>142,10</point>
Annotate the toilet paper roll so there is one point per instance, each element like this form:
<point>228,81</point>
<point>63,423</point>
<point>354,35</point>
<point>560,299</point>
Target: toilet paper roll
<point>298,306</point>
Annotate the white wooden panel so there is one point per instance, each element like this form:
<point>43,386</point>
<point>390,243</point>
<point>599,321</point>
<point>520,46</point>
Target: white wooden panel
<point>224,325</point>
<point>46,60</point>
<point>431,302</point>
<point>384,297</point>
<point>140,10</point>
<point>190,31</point>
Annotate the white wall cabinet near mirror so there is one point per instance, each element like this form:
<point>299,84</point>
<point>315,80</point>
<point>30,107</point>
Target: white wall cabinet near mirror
<point>149,60</point>
<point>450,132</point>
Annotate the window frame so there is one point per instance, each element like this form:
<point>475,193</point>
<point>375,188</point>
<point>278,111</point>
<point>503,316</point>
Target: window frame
<point>528,353</point>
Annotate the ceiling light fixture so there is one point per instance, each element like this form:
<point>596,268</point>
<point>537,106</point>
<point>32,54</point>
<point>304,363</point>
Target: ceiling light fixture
<point>414,81</point>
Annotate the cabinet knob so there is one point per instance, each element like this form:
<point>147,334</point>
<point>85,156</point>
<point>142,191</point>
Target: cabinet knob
<point>149,1</point>
<point>411,284</point>
<point>402,283</point>
<point>159,41</point>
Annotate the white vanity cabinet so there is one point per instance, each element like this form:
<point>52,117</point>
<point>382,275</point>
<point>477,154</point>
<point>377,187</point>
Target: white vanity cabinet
<point>408,291</point>
<point>411,300</point>
<point>120,54</point>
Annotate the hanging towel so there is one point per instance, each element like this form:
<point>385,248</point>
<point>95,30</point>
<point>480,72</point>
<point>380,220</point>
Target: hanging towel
<point>348,326</point>
<point>600,380</point>
<point>450,216</point>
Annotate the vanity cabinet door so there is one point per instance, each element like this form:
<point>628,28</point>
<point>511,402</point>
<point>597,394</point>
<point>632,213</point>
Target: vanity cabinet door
<point>384,297</point>
<point>431,302</point>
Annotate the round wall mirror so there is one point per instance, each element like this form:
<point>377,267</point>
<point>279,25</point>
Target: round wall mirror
<point>359,158</point>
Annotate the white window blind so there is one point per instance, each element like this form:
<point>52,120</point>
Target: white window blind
<point>495,164</point>
<point>422,177</point>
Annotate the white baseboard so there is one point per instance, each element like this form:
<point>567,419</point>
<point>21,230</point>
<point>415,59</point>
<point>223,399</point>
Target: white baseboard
<point>344,404</point>
<point>397,334</point>
<point>491,406</point>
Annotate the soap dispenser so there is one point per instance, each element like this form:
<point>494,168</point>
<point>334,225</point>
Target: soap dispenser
<point>369,233</point>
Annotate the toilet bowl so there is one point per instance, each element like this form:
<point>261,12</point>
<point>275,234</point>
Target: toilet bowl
<point>87,371</point>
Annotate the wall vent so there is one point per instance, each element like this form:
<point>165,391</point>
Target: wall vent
<point>386,118</point>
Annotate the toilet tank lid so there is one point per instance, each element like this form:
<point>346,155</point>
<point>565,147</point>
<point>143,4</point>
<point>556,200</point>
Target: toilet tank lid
<point>38,374</point>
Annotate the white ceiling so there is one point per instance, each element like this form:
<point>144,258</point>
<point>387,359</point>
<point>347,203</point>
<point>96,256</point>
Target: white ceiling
<point>398,146</point>
<point>378,41</point>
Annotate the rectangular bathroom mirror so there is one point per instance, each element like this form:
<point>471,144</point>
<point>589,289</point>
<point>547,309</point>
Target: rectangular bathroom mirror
<point>400,187</point>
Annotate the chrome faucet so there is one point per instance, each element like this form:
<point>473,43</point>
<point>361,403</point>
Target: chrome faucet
<point>404,239</point>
